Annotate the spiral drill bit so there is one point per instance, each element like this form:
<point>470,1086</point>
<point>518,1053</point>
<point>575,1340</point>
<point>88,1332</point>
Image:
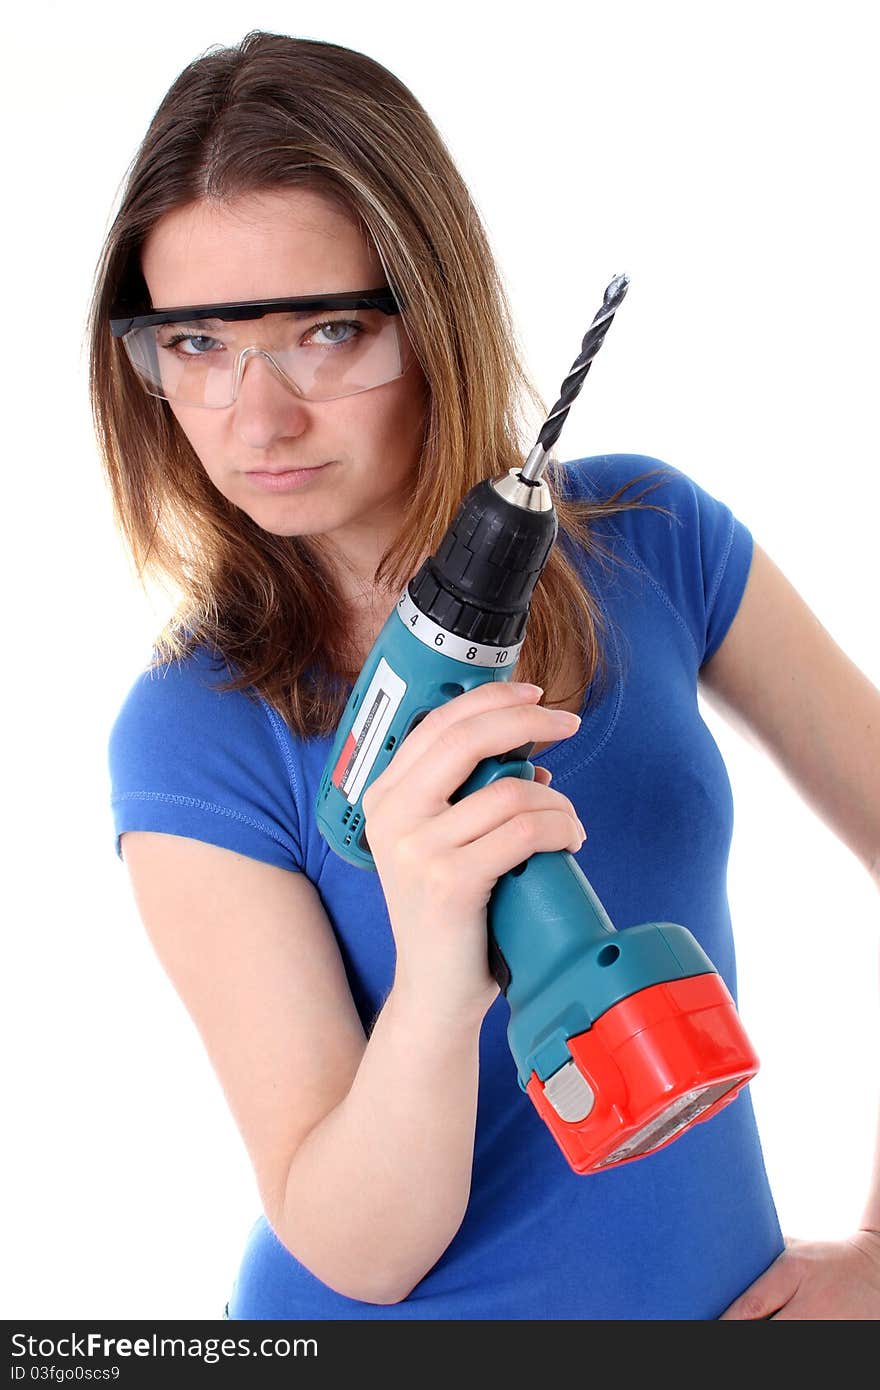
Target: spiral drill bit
<point>534,465</point>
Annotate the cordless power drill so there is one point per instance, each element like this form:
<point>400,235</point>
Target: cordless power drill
<point>622,1039</point>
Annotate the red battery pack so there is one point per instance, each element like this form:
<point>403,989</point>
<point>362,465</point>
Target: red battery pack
<point>654,1064</point>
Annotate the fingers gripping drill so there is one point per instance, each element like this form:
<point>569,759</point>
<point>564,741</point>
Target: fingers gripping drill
<point>622,1039</point>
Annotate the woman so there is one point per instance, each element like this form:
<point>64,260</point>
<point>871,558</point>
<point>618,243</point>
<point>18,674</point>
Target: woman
<point>287,471</point>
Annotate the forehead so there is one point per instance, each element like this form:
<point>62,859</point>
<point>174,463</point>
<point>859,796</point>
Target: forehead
<point>259,246</point>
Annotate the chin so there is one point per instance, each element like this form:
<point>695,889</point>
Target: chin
<point>272,519</point>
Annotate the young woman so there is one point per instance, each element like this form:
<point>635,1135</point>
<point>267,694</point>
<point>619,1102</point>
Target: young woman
<point>286,468</point>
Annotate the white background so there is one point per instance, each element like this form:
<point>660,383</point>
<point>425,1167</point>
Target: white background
<point>724,157</point>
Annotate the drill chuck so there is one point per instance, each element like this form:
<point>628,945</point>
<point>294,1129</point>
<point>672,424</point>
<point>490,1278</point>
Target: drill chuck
<point>479,585</point>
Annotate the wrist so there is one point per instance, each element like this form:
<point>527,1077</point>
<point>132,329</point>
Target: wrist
<point>436,1021</point>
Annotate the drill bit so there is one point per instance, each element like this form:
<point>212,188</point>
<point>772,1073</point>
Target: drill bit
<point>534,465</point>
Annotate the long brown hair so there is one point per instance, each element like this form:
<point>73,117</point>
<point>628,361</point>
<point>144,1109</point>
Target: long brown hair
<point>277,112</point>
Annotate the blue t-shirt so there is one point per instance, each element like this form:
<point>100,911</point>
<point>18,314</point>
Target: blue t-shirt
<point>675,1235</point>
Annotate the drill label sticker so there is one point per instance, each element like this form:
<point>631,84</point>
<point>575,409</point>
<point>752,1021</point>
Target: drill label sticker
<point>369,731</point>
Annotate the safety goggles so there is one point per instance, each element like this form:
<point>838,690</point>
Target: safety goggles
<point>196,355</point>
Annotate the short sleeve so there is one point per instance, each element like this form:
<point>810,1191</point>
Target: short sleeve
<point>189,759</point>
<point>700,554</point>
<point>725,555</point>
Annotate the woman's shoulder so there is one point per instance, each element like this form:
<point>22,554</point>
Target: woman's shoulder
<point>178,715</point>
<point>674,507</point>
<point>187,690</point>
<point>598,477</point>
<point>187,756</point>
<point>685,541</point>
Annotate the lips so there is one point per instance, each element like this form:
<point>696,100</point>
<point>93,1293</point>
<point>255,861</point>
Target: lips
<point>278,472</point>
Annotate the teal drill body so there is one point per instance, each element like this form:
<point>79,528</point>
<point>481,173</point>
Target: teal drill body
<point>553,948</point>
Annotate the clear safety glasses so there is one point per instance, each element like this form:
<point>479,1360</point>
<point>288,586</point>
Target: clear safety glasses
<point>322,346</point>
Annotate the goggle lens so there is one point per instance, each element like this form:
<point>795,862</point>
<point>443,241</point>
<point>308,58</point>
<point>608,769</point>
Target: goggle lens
<point>200,362</point>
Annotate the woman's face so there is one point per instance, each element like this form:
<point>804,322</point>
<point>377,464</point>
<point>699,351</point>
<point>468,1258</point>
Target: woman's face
<point>283,244</point>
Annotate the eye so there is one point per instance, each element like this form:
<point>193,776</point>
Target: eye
<point>334,324</point>
<point>199,342</point>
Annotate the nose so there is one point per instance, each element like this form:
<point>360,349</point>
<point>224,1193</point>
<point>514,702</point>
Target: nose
<point>267,406</point>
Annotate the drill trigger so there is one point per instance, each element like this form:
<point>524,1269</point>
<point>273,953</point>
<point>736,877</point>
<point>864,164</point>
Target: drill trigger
<point>516,755</point>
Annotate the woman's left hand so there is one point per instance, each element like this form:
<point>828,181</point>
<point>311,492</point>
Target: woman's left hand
<point>830,1280</point>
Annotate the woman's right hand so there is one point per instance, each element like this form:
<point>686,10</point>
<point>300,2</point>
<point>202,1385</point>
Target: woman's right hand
<point>438,862</point>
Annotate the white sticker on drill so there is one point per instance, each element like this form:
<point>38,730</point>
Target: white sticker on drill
<point>369,731</point>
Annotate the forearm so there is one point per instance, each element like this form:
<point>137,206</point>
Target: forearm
<point>871,1213</point>
<point>378,1189</point>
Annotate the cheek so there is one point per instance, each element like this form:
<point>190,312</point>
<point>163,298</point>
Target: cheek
<point>404,416</point>
<point>374,429</point>
<point>201,434</point>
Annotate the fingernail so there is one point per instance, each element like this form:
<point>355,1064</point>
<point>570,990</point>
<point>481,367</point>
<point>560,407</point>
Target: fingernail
<point>531,689</point>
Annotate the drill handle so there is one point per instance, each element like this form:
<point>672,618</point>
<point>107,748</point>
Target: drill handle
<point>543,911</point>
